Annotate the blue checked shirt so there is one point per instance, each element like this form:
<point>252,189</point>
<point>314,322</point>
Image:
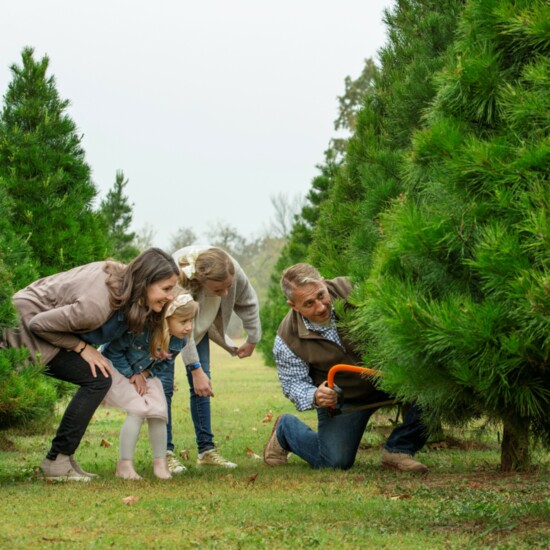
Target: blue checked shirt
<point>294,372</point>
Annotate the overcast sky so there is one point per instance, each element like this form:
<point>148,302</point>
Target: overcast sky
<point>209,107</point>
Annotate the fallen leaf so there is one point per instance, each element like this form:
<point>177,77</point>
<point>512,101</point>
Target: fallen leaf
<point>105,443</point>
<point>251,479</point>
<point>268,417</point>
<point>251,453</point>
<point>184,454</point>
<point>130,500</point>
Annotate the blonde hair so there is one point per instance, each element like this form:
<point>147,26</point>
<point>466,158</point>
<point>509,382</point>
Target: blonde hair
<point>182,306</point>
<point>298,275</point>
<point>211,265</point>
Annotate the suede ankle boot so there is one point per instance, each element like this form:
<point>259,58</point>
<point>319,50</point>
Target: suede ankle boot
<point>160,468</point>
<point>125,470</point>
<point>60,469</point>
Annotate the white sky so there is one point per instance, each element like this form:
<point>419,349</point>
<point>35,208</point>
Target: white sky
<point>209,107</point>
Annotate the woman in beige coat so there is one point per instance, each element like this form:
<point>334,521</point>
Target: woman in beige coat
<point>64,315</point>
<point>221,288</point>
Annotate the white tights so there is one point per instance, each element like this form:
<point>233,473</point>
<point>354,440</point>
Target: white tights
<point>129,434</point>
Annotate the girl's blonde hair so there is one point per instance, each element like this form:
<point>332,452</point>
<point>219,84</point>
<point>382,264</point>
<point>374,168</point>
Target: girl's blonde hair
<point>182,306</point>
<point>211,265</point>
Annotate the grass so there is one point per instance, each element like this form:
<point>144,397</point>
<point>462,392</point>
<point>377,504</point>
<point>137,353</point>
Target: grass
<point>464,502</point>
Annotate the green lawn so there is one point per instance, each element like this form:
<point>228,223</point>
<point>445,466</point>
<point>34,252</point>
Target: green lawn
<point>464,502</point>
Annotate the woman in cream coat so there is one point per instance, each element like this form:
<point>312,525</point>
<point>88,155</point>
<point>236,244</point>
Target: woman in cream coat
<point>220,286</point>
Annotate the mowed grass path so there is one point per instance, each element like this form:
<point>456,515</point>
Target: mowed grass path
<point>464,502</point>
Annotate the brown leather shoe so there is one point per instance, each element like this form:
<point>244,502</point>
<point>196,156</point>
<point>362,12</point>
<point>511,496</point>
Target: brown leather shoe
<point>274,454</point>
<point>402,462</point>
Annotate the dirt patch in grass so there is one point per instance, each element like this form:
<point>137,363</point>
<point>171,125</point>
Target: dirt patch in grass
<point>7,445</point>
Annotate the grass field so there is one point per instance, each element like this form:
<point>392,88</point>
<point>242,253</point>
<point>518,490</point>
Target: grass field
<point>464,502</point>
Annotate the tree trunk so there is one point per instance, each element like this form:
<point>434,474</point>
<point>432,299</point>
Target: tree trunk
<point>515,446</point>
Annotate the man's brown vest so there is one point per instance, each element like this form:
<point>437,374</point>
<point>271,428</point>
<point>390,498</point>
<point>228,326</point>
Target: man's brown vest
<point>321,354</point>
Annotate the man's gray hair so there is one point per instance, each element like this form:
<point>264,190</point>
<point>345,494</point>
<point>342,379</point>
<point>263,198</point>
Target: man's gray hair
<point>297,276</point>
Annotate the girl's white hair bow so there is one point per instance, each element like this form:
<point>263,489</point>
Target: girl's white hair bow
<point>191,258</point>
<point>178,301</point>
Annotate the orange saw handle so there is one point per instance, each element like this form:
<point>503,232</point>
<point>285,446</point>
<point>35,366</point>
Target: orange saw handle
<point>335,411</point>
<point>349,368</point>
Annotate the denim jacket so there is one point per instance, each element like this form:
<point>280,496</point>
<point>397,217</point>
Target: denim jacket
<point>130,353</point>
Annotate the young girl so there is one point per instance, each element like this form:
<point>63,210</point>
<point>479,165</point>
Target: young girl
<point>137,359</point>
<point>220,286</point>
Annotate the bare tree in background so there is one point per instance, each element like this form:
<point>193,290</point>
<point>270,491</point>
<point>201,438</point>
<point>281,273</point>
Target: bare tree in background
<point>286,208</point>
<point>225,236</point>
<point>145,237</point>
<point>184,236</point>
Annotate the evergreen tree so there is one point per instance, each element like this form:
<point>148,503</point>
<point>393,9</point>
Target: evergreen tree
<point>117,213</point>
<point>297,247</point>
<point>24,396</point>
<point>420,32</point>
<point>44,172</point>
<point>456,312</point>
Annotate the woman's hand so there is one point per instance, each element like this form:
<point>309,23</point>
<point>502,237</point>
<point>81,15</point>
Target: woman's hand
<point>95,359</point>
<point>201,383</point>
<point>246,350</point>
<point>139,382</point>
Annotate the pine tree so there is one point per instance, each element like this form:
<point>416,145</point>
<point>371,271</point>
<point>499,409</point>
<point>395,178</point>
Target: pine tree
<point>44,172</point>
<point>24,396</point>
<point>117,213</point>
<point>456,312</point>
<point>420,33</point>
<point>297,247</point>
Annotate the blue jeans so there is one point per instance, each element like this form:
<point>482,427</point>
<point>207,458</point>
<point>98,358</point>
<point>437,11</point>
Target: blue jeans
<point>166,376</point>
<point>200,406</point>
<point>337,440</point>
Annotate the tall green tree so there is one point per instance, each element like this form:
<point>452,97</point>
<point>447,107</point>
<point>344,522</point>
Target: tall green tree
<point>44,172</point>
<point>419,35</point>
<point>298,242</point>
<point>24,396</point>
<point>116,210</point>
<point>456,312</point>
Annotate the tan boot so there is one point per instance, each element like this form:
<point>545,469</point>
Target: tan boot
<point>274,454</point>
<point>77,468</point>
<point>60,469</point>
<point>160,468</point>
<point>125,470</point>
<point>402,462</point>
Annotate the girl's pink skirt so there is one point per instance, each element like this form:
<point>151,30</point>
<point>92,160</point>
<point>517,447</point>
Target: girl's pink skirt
<point>123,395</point>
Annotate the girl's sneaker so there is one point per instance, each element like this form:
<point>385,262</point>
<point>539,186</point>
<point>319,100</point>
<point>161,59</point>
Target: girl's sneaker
<point>213,458</point>
<point>174,465</point>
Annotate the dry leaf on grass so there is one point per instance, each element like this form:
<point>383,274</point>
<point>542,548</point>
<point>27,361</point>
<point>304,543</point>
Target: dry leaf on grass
<point>184,454</point>
<point>105,443</point>
<point>251,453</point>
<point>251,479</point>
<point>268,417</point>
<point>130,500</point>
